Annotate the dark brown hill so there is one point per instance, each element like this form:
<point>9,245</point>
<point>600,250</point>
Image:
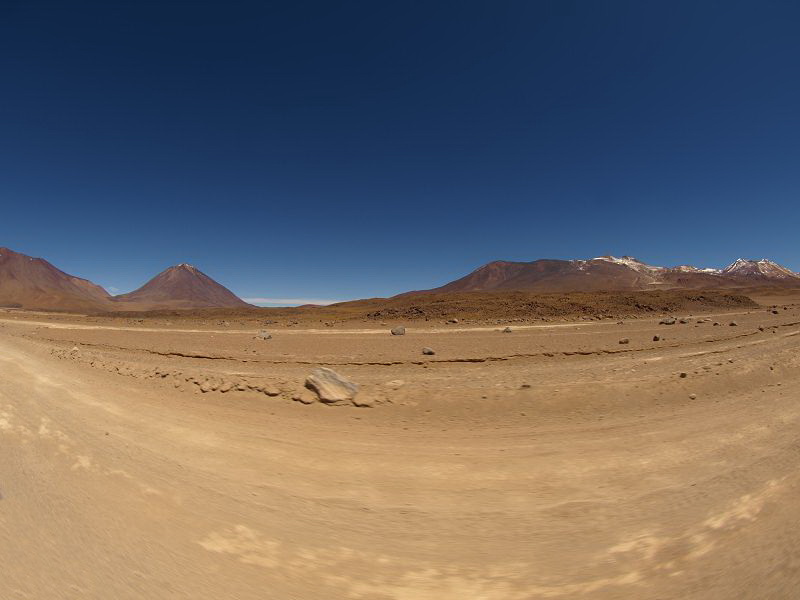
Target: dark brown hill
<point>33,283</point>
<point>181,286</point>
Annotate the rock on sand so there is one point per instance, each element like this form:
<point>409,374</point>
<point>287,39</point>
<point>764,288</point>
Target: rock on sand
<point>330,386</point>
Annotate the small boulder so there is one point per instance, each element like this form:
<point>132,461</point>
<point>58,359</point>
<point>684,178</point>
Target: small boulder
<point>428,351</point>
<point>507,330</point>
<point>656,338</point>
<point>398,330</point>
<point>263,335</point>
<point>733,324</point>
<point>453,321</point>
<point>330,386</point>
<point>624,341</point>
<point>669,321</point>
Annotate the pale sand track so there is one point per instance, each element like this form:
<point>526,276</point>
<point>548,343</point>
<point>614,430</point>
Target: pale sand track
<point>602,480</point>
<point>42,322</point>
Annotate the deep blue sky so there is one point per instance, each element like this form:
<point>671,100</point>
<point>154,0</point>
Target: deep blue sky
<point>339,150</point>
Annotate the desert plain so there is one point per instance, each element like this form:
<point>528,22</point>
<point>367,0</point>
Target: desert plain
<point>180,455</point>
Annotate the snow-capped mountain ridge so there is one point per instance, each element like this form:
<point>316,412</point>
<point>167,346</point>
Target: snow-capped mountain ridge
<point>609,273</point>
<point>758,268</point>
<point>741,267</point>
<point>630,262</point>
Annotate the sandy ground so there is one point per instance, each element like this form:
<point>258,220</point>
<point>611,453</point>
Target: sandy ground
<point>549,462</point>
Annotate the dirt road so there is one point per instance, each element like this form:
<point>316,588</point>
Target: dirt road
<point>546,463</point>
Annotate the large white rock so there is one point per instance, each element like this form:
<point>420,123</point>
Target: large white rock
<point>331,387</point>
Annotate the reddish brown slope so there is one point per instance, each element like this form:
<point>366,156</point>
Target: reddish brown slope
<point>33,283</point>
<point>548,275</point>
<point>608,273</point>
<point>181,286</point>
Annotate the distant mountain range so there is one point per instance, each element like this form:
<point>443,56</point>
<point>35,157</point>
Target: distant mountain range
<point>610,273</point>
<point>33,283</point>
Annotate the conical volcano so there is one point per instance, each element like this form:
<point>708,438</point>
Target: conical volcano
<point>182,286</point>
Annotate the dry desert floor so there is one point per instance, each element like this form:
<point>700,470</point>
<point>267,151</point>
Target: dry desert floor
<point>150,459</point>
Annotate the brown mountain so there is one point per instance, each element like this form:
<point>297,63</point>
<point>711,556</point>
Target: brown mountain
<point>181,286</point>
<point>548,275</point>
<point>609,273</point>
<point>33,283</point>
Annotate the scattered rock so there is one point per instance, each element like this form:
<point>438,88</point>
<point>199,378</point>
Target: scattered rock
<point>263,335</point>
<point>684,375</point>
<point>305,397</point>
<point>716,324</point>
<point>364,402</point>
<point>692,396</point>
<point>669,321</point>
<point>683,321</point>
<point>507,330</point>
<point>624,341</point>
<point>774,312</point>
<point>428,351</point>
<point>453,321</point>
<point>398,330</point>
<point>525,385</point>
<point>761,328</point>
<point>656,338</point>
<point>267,389</point>
<point>733,324</point>
<point>330,386</point>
